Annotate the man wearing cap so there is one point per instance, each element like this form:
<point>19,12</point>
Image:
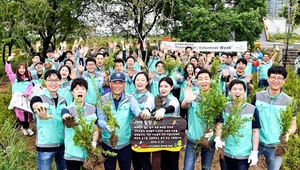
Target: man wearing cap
<point>38,73</point>
<point>124,108</point>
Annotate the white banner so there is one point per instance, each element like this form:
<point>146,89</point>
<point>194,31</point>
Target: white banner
<point>208,46</point>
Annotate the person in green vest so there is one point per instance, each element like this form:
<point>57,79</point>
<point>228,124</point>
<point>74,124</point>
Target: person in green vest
<point>76,155</point>
<point>141,160</point>
<point>269,104</point>
<point>239,151</point>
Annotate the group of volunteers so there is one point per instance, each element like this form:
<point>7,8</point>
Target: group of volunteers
<point>131,86</point>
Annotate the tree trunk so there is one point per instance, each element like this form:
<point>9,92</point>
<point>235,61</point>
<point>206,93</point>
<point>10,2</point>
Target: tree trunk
<point>140,29</point>
<point>31,50</point>
<point>46,42</point>
<point>10,45</point>
<point>3,54</point>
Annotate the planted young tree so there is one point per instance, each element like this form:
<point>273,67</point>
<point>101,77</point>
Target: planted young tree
<point>211,105</point>
<point>285,118</point>
<point>83,136</point>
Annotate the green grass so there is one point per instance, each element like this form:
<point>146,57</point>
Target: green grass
<point>14,151</point>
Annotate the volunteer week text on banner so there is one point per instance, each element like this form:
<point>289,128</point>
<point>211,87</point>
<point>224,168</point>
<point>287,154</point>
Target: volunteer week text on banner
<point>208,46</point>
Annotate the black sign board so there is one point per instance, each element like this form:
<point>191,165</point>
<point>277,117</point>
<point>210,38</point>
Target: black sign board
<point>155,135</point>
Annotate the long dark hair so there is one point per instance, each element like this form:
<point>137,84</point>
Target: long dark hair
<point>26,74</point>
<point>169,80</point>
<point>186,75</point>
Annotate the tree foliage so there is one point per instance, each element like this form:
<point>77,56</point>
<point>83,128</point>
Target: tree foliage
<point>47,20</point>
<point>215,20</point>
<point>11,24</point>
<point>133,17</point>
<point>295,14</point>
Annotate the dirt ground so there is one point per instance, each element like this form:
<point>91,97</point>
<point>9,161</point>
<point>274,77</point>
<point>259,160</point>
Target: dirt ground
<point>4,85</point>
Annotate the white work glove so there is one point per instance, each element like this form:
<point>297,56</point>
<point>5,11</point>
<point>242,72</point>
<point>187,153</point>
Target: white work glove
<point>94,144</point>
<point>209,134</point>
<point>64,117</point>
<point>12,55</point>
<point>10,58</point>
<point>145,115</point>
<point>108,128</point>
<point>159,114</point>
<point>219,143</point>
<point>189,95</point>
<point>253,158</point>
<point>42,112</point>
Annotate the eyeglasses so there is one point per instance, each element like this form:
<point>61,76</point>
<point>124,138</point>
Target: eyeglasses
<point>276,78</point>
<point>56,81</point>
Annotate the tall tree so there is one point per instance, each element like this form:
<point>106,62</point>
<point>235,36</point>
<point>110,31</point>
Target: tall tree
<point>294,13</point>
<point>250,14</point>
<point>56,19</point>
<point>216,20</point>
<point>137,17</point>
<point>11,25</point>
<point>49,20</point>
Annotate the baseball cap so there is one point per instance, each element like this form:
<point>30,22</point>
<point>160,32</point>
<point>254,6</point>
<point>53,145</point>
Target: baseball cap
<point>49,51</point>
<point>117,76</point>
<point>38,63</point>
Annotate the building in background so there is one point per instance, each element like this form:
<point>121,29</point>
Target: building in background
<point>274,7</point>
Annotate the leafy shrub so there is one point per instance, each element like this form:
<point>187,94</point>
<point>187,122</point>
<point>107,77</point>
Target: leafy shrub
<point>291,159</point>
<point>14,152</point>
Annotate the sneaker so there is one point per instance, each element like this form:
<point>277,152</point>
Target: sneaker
<point>25,133</point>
<point>30,132</point>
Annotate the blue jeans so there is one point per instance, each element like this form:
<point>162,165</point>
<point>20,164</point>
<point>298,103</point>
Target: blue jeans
<point>45,160</point>
<point>207,155</point>
<point>263,83</point>
<point>234,164</point>
<point>273,161</point>
<point>123,157</point>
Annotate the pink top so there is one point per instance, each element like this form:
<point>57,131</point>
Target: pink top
<point>12,78</point>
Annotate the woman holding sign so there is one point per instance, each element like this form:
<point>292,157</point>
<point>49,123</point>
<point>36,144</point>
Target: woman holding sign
<point>167,105</point>
<point>141,160</point>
